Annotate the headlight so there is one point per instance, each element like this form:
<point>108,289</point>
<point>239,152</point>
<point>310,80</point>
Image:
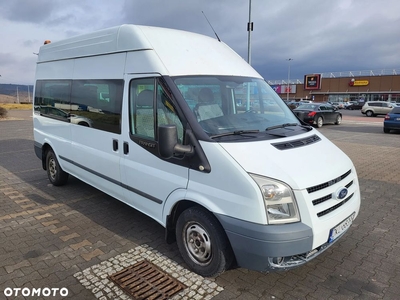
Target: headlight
<point>279,201</point>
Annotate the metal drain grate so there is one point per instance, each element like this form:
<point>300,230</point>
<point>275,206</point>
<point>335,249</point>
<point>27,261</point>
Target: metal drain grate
<point>145,281</point>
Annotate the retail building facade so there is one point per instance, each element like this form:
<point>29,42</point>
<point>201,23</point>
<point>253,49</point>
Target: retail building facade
<point>334,88</point>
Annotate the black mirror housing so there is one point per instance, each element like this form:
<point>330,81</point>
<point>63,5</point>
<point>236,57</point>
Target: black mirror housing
<point>168,145</point>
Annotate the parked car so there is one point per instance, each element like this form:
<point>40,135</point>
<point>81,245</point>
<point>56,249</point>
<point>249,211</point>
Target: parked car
<point>338,105</point>
<point>374,108</point>
<point>63,115</point>
<point>355,105</point>
<point>318,114</point>
<point>392,120</point>
<point>292,104</point>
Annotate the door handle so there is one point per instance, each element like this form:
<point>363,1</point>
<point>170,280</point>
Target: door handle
<point>126,148</point>
<point>115,145</point>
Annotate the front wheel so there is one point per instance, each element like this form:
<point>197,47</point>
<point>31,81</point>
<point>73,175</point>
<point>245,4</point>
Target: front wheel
<point>56,175</point>
<point>338,120</point>
<point>203,243</point>
<point>369,113</point>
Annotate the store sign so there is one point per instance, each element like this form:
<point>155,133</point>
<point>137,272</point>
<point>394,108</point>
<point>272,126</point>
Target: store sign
<point>312,82</point>
<point>354,82</point>
<point>284,89</point>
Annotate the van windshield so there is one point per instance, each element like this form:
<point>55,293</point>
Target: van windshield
<point>232,104</point>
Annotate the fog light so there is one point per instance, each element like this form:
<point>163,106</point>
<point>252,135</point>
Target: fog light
<point>277,260</point>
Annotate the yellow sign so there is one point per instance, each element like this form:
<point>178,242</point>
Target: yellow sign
<point>358,82</point>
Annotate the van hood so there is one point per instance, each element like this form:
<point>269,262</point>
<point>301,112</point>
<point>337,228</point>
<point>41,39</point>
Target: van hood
<point>300,167</point>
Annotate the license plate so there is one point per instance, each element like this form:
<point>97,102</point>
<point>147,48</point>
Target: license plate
<point>340,229</point>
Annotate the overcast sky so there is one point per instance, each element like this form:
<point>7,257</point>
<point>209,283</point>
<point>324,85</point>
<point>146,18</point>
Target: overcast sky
<point>318,35</point>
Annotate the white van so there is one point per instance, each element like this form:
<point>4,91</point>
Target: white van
<point>185,131</point>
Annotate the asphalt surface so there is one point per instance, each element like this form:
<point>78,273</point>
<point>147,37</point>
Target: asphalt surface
<point>68,239</point>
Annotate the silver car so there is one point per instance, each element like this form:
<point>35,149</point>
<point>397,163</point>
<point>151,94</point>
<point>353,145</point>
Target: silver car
<point>374,108</point>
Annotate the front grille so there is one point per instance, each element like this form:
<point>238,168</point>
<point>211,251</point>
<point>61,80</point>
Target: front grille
<point>297,143</point>
<point>327,184</point>
<point>327,211</point>
<point>349,184</point>
<point>322,199</point>
<point>144,280</point>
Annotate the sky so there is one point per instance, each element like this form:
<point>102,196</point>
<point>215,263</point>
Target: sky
<point>319,36</point>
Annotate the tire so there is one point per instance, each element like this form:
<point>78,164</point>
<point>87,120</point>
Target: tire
<point>203,243</point>
<point>319,122</point>
<point>56,175</point>
<point>338,120</point>
<point>369,113</point>
<point>386,130</point>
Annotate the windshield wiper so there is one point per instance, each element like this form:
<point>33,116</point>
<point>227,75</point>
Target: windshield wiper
<point>281,126</point>
<point>237,132</point>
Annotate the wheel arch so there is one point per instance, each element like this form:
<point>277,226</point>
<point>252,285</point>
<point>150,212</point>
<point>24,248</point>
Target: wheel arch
<point>172,217</point>
<point>45,148</point>
<point>174,211</point>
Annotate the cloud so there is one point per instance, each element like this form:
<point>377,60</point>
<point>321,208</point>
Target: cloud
<point>26,11</point>
<point>320,36</point>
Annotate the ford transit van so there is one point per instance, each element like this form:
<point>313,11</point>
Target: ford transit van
<point>180,127</point>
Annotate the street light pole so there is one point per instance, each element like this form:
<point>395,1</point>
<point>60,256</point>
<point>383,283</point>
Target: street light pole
<point>288,79</point>
<point>249,29</point>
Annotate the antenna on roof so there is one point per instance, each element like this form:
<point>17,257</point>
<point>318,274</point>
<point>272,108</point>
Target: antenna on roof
<point>211,26</point>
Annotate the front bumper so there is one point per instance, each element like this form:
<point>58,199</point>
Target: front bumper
<point>268,248</point>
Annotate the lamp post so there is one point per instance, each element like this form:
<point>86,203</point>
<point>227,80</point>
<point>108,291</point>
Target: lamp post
<point>249,29</point>
<point>288,79</point>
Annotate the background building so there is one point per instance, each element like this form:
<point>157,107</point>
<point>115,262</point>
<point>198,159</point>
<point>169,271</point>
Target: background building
<point>343,87</point>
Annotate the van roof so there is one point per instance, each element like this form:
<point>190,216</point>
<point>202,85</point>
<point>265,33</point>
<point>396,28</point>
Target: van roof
<point>111,40</point>
<point>180,52</point>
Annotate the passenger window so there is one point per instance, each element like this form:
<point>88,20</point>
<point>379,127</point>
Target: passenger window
<point>166,112</point>
<point>141,108</point>
<point>149,108</point>
<point>97,104</point>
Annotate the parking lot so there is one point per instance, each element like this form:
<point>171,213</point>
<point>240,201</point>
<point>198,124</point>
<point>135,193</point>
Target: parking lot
<point>68,239</point>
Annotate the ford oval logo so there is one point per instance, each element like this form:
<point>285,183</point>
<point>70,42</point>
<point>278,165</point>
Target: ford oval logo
<point>341,193</point>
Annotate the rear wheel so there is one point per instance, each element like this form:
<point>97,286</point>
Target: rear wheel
<point>202,242</point>
<point>56,175</point>
<point>319,122</point>
<point>386,130</point>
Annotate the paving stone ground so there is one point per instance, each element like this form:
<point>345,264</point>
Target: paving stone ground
<point>55,237</point>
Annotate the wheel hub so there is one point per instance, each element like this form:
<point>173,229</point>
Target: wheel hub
<point>198,244</point>
<point>52,168</point>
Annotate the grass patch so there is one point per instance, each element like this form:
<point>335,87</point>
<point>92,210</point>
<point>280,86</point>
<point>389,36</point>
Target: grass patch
<point>9,106</point>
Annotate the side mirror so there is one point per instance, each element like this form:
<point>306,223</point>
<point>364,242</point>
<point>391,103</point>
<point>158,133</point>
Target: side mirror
<point>168,145</point>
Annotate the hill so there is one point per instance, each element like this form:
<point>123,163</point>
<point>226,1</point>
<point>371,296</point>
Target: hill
<point>15,93</point>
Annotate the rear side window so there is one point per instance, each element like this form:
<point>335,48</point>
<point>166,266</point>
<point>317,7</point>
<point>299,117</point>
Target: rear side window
<point>90,103</point>
<point>52,99</point>
<point>376,104</point>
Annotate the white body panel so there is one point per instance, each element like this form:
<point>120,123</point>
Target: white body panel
<point>290,167</point>
<point>154,185</point>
